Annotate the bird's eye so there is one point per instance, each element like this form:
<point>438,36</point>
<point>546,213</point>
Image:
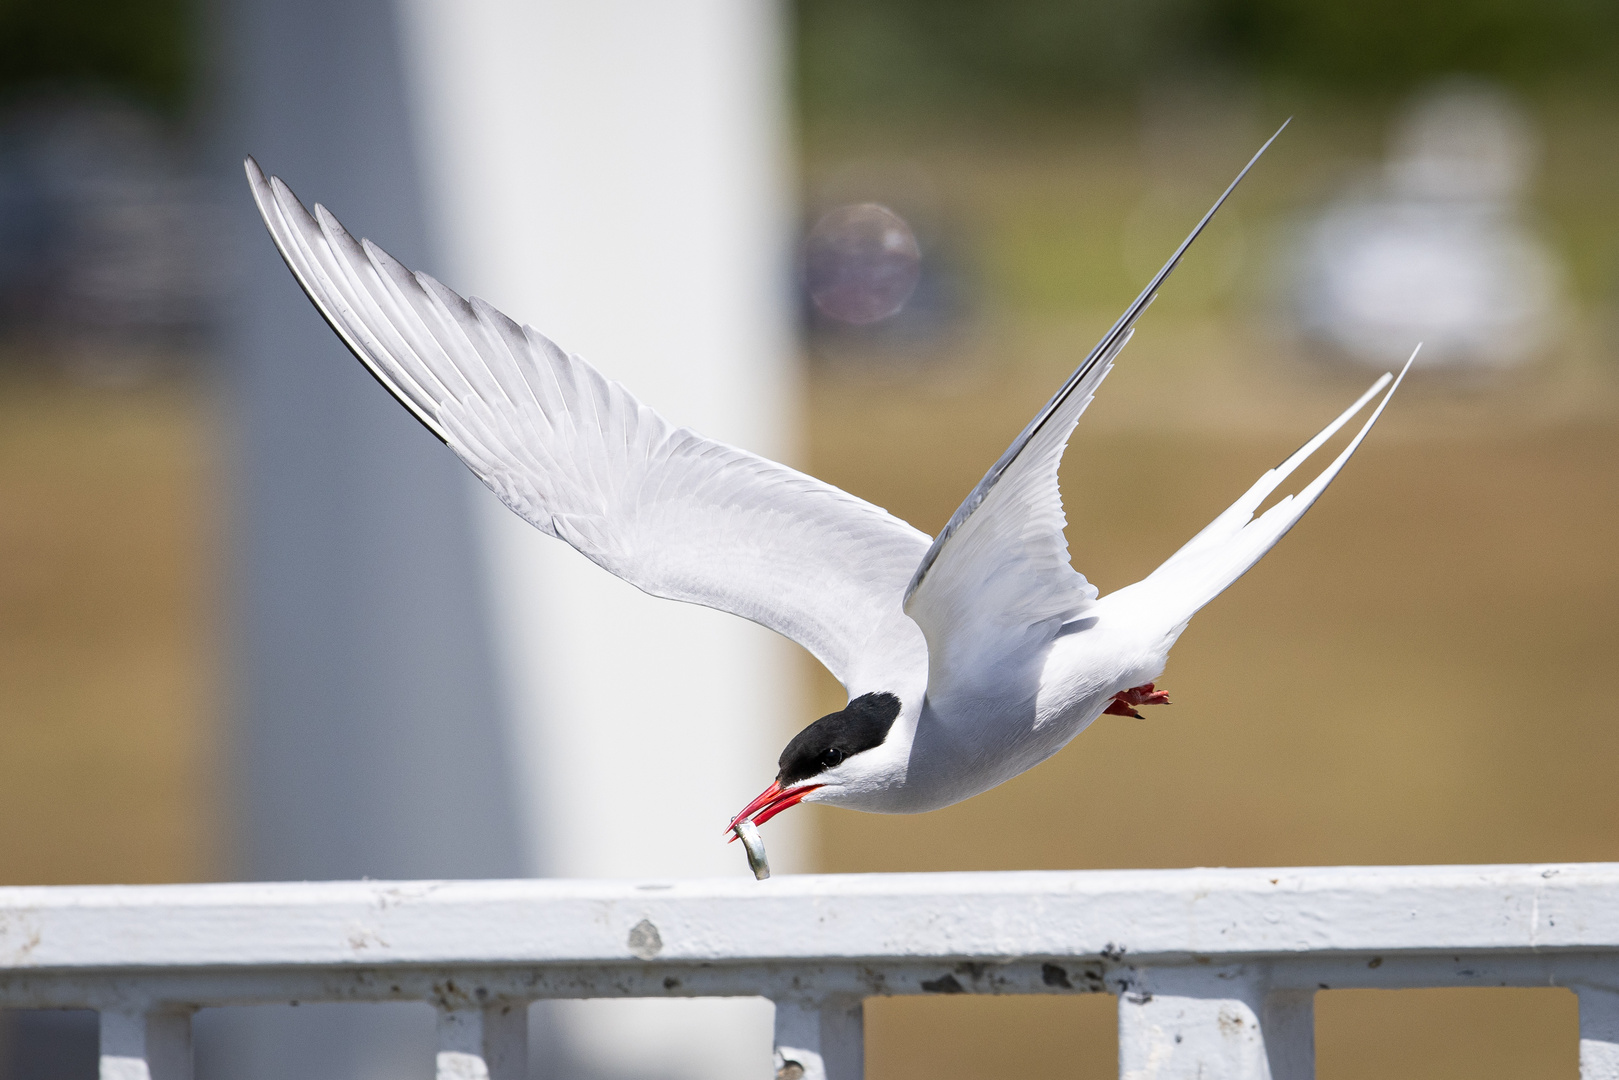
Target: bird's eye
<point>831,758</point>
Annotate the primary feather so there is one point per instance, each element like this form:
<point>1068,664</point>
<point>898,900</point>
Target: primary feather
<point>576,455</point>
<point>997,583</point>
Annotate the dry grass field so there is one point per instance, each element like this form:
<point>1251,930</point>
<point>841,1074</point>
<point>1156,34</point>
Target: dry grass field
<point>108,670</point>
<point>1416,674</point>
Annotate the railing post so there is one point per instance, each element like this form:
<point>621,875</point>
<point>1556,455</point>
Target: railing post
<point>822,1039</point>
<point>483,1042</point>
<point>1213,1024</point>
<point>141,1044</point>
<point>1599,1033</point>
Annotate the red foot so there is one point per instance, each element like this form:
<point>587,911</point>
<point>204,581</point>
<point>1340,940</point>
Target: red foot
<point>1125,701</point>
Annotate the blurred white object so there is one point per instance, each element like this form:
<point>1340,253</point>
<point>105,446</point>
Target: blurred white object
<point>613,170</point>
<point>1438,251</point>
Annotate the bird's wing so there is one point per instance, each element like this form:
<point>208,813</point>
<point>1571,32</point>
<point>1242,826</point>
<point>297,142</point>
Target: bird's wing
<point>997,579</point>
<point>1215,558</point>
<point>574,454</point>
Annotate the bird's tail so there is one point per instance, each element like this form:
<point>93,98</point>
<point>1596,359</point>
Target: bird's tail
<point>1216,557</point>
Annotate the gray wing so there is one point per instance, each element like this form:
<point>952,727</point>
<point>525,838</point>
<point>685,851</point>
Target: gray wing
<point>574,454</point>
<point>998,577</point>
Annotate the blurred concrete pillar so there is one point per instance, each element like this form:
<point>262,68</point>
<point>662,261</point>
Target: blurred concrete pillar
<point>369,738</point>
<point>612,172</point>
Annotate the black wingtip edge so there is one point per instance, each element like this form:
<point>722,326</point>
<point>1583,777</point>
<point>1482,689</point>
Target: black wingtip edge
<point>259,182</point>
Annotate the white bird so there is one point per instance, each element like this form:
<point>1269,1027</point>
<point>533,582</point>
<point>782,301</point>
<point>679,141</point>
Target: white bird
<point>968,657</point>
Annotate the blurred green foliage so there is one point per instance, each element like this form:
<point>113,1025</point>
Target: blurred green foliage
<point>1397,43</point>
<point>884,55</point>
<point>135,48</point>
<point>859,56</point>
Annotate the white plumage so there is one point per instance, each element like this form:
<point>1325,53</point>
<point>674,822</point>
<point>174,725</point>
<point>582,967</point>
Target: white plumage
<point>968,658</point>
<point>577,456</point>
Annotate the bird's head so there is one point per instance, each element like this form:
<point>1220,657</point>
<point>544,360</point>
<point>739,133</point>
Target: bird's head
<point>839,757</point>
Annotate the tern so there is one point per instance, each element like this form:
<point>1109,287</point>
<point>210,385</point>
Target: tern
<point>968,657</point>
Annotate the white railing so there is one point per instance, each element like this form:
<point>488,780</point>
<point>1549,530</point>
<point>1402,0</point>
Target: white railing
<point>1215,970</point>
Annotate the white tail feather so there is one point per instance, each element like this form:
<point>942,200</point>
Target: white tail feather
<point>1232,543</point>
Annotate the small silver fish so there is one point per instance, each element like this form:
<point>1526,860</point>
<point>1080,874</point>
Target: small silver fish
<point>753,843</point>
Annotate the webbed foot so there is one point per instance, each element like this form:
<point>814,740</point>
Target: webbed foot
<point>1125,701</point>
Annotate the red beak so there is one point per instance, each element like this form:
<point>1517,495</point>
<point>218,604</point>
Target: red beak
<point>771,801</point>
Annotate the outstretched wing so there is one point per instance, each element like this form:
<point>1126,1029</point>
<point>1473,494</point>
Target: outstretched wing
<point>574,454</point>
<point>997,579</point>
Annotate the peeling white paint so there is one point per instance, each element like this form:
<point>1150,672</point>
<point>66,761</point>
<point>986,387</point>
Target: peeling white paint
<point>1215,970</point>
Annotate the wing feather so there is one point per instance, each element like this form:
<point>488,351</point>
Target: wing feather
<point>998,577</point>
<point>576,455</point>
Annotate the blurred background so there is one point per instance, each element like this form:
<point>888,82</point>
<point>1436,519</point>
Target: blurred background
<point>255,624</point>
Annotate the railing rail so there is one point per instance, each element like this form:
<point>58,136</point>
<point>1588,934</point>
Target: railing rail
<point>1215,970</point>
